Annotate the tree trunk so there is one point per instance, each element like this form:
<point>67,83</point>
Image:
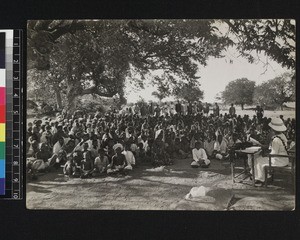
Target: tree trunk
<point>71,105</point>
<point>242,105</point>
<point>58,99</point>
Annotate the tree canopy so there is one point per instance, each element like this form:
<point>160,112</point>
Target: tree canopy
<point>190,92</point>
<point>239,91</point>
<point>273,93</point>
<point>95,57</point>
<point>275,37</point>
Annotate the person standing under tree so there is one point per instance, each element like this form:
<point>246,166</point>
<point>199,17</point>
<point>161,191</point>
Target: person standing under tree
<point>178,108</point>
<point>206,109</point>
<point>190,108</point>
<point>232,110</point>
<point>259,112</point>
<point>216,109</point>
<point>200,107</point>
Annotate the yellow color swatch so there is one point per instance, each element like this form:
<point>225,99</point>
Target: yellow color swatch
<point>2,132</point>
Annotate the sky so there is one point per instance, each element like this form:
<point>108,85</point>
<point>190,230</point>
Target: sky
<point>217,74</point>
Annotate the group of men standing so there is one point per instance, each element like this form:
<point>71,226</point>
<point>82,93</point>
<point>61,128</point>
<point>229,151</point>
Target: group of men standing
<point>183,108</point>
<point>180,107</point>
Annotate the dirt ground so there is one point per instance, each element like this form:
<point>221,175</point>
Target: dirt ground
<point>147,189</point>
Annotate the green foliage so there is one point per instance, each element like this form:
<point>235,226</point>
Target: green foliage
<point>273,93</point>
<point>142,103</point>
<point>97,58</point>
<point>39,88</point>
<point>159,95</point>
<point>80,57</point>
<point>189,92</point>
<point>239,91</point>
<point>276,37</point>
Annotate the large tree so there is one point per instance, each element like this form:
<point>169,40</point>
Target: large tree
<point>273,93</point>
<point>275,37</point>
<point>189,92</point>
<point>96,58</point>
<point>239,91</point>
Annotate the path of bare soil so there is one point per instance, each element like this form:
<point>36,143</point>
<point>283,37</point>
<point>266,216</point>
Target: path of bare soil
<point>162,190</point>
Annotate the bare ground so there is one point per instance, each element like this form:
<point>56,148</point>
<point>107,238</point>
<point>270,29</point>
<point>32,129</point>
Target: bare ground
<point>143,189</point>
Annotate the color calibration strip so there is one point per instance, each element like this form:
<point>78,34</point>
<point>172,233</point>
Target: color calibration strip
<point>2,113</point>
<point>12,127</point>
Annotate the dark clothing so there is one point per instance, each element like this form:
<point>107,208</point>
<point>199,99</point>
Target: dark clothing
<point>231,111</point>
<point>118,160</point>
<point>157,112</point>
<point>178,108</point>
<point>190,109</point>
<point>59,134</point>
<point>259,112</point>
<point>200,107</point>
<point>44,155</point>
<point>216,110</point>
<point>206,109</point>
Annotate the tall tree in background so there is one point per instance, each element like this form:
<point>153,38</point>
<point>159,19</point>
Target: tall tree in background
<point>44,86</point>
<point>189,92</point>
<point>95,57</point>
<point>239,91</point>
<point>277,91</point>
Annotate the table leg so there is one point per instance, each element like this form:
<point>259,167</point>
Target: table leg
<point>252,167</point>
<point>232,171</point>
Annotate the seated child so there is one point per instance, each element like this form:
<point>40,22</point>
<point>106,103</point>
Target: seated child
<point>209,146</point>
<point>69,167</point>
<point>159,154</point>
<point>33,149</point>
<point>58,159</point>
<point>44,152</point>
<point>130,159</point>
<point>43,158</point>
<point>220,148</point>
<point>199,157</point>
<point>184,146</point>
<point>101,162</point>
<point>87,164</point>
<point>179,149</point>
<point>118,161</point>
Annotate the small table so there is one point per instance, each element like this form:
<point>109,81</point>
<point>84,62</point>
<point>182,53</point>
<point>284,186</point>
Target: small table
<point>252,151</point>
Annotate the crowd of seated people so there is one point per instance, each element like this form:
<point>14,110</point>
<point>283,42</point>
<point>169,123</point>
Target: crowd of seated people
<point>116,142</point>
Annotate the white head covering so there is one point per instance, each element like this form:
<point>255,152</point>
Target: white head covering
<point>277,125</point>
<point>118,145</point>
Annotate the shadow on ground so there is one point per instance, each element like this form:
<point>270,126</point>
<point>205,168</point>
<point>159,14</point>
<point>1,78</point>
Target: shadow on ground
<point>144,188</point>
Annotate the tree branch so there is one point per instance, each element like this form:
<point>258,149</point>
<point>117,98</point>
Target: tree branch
<point>95,90</point>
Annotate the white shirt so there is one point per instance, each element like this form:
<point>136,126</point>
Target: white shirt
<point>220,147</point>
<point>145,144</point>
<point>130,159</point>
<point>277,147</point>
<point>209,147</point>
<point>56,148</point>
<point>199,155</point>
